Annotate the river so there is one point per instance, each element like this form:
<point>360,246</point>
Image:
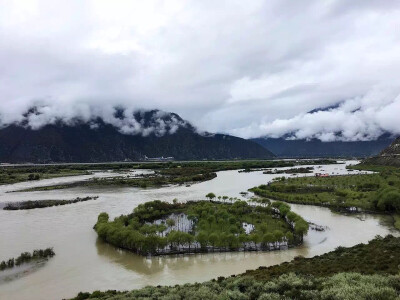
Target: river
<point>83,263</point>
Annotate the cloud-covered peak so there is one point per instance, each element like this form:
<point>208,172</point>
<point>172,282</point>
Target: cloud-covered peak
<point>358,119</point>
<point>128,121</point>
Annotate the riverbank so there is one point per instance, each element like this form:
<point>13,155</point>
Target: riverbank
<point>359,272</point>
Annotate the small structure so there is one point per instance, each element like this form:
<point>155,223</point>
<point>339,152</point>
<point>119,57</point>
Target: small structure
<point>321,175</point>
<point>162,158</point>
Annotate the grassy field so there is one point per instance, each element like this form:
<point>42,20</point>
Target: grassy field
<point>361,272</point>
<point>378,192</point>
<point>10,175</point>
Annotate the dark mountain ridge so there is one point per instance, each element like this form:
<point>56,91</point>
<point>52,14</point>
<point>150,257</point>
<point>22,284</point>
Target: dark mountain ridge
<point>290,148</point>
<point>123,137</point>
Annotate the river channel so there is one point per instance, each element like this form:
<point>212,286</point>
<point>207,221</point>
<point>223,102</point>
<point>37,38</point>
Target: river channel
<point>83,263</point>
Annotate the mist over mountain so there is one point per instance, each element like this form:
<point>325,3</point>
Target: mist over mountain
<point>126,135</point>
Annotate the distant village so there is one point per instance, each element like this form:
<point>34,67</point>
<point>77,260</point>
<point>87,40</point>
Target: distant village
<point>162,158</point>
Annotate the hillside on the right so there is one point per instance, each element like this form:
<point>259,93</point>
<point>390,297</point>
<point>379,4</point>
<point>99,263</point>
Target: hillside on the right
<point>390,156</point>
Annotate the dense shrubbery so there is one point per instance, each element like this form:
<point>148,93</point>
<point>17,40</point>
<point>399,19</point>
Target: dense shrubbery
<point>344,286</point>
<point>381,255</point>
<point>31,204</point>
<point>26,257</point>
<point>322,277</point>
<point>162,228</point>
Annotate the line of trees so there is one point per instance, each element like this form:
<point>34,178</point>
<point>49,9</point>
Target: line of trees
<point>26,257</point>
<point>31,204</point>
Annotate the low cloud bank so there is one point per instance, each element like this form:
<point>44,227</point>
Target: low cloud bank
<point>359,119</point>
<point>128,120</point>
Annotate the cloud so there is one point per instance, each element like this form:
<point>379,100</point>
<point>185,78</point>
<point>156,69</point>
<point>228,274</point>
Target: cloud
<point>127,120</point>
<point>245,68</point>
<point>361,118</point>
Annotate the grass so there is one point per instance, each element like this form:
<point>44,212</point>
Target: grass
<point>379,256</point>
<point>11,175</point>
<point>379,192</point>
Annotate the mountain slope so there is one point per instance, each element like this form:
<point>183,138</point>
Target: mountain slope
<point>151,133</point>
<point>316,148</point>
<point>390,156</point>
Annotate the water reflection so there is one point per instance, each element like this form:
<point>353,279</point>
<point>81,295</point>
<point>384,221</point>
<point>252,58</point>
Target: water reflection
<point>128,260</point>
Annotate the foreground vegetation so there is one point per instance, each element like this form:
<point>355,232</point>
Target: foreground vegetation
<point>359,272</point>
<point>169,172</point>
<point>26,257</point>
<point>200,226</point>
<point>379,192</point>
<point>31,204</point>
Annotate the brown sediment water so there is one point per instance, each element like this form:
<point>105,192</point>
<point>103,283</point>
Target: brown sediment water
<point>84,263</point>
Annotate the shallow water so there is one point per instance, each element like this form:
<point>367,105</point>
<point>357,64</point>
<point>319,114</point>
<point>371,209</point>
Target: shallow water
<point>83,263</point>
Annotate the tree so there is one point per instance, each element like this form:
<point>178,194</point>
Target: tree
<point>232,241</point>
<point>278,235</point>
<point>213,238</point>
<point>255,238</point>
<point>268,238</point>
<point>170,222</point>
<point>301,228</point>
<point>263,228</point>
<point>243,239</point>
<point>202,239</point>
<point>187,238</point>
<point>289,236</point>
<point>210,196</point>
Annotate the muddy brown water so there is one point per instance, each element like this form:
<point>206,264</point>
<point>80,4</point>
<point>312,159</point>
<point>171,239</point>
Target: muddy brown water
<point>83,263</point>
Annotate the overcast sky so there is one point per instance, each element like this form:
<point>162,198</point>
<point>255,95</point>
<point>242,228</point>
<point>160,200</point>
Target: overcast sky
<point>248,68</point>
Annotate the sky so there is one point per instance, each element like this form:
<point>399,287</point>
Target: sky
<point>247,68</point>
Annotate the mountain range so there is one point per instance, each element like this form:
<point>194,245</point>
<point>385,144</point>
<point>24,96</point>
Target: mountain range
<point>289,148</point>
<point>123,137</point>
